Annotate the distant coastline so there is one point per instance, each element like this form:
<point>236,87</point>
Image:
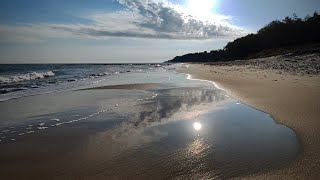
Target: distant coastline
<point>292,35</point>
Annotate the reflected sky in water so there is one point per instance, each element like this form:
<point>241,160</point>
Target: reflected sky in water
<point>155,134</point>
<point>234,139</point>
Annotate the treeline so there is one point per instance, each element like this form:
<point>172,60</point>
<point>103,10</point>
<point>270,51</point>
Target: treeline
<point>291,31</point>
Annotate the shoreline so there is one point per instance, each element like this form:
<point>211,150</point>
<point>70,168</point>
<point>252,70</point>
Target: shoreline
<point>291,99</point>
<point>113,133</point>
<point>142,86</point>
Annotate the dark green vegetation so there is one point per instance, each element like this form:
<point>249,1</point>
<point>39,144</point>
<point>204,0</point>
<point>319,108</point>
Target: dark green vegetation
<point>291,35</point>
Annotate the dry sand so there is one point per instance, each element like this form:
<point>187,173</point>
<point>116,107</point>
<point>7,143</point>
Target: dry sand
<point>293,100</point>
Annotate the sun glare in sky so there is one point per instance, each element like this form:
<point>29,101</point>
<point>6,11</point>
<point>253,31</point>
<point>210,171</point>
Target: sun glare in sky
<point>201,8</point>
<point>131,31</point>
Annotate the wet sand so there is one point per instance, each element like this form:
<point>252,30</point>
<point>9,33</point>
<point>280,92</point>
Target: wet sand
<point>146,86</point>
<point>293,100</point>
<point>141,134</point>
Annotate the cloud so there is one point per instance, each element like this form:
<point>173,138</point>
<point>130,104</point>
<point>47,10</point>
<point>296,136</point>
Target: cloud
<point>29,33</point>
<point>153,19</point>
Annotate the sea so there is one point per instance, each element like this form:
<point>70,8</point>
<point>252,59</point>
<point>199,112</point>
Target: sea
<point>21,80</point>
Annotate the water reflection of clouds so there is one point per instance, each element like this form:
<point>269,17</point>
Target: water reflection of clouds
<point>170,105</point>
<point>223,148</point>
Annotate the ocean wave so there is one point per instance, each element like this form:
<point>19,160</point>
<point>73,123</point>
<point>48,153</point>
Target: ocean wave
<point>6,79</point>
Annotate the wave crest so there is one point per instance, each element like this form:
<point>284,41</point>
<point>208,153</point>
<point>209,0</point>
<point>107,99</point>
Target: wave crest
<point>6,79</point>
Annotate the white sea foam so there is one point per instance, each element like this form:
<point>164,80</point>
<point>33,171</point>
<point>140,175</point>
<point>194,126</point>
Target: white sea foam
<point>58,124</point>
<point>215,84</point>
<point>5,79</point>
<point>55,119</point>
<point>80,119</point>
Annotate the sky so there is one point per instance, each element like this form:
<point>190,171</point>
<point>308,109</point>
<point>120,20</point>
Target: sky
<point>130,31</point>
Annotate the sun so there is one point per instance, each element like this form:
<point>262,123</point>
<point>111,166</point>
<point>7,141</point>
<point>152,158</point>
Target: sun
<point>197,126</point>
<point>200,8</point>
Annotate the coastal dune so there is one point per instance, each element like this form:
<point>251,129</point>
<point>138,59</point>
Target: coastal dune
<point>292,97</point>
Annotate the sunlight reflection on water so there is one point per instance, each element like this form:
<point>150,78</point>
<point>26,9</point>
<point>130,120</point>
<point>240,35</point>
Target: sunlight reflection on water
<point>190,130</point>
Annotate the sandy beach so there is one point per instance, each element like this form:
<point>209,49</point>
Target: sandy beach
<point>141,126</point>
<point>159,89</point>
<point>287,89</point>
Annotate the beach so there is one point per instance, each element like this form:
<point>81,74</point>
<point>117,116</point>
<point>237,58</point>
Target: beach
<point>145,124</point>
<point>159,90</point>
<point>288,88</point>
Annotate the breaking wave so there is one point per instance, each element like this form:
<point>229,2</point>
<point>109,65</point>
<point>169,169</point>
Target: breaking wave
<point>6,79</point>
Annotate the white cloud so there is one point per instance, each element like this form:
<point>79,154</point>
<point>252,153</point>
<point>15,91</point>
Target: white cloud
<point>158,19</point>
